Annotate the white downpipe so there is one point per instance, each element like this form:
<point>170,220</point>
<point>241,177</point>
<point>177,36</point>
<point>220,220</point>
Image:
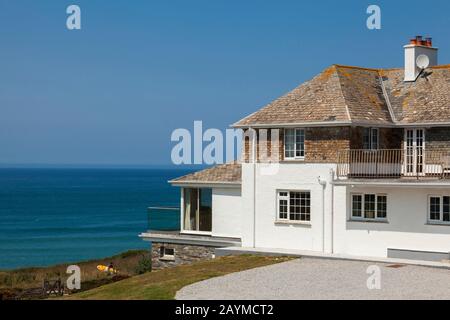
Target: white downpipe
<point>254,160</point>
<point>332,213</point>
<point>323,183</point>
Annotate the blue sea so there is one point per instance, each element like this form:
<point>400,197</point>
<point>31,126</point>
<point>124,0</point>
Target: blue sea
<point>50,216</point>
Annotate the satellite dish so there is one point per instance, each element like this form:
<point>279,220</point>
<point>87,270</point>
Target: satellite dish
<point>423,61</point>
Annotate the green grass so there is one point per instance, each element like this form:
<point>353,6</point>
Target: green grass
<point>33,277</point>
<point>163,284</point>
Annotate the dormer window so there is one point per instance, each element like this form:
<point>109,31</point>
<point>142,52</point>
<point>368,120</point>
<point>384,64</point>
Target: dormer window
<point>371,138</point>
<point>294,144</point>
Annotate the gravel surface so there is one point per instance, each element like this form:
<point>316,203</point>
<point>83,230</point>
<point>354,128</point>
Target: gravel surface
<point>308,278</point>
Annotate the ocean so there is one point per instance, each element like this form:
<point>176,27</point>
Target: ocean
<point>50,216</point>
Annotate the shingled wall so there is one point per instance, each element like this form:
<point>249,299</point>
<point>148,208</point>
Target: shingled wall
<point>323,144</point>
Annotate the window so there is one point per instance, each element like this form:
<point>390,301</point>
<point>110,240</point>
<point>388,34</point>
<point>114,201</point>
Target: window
<point>357,206</point>
<point>294,144</point>
<point>198,209</point>
<point>294,206</point>
<point>369,206</point>
<point>370,139</point>
<point>167,254</point>
<point>439,209</point>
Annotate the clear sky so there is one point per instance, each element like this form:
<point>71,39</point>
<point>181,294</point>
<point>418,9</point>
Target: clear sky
<point>113,92</point>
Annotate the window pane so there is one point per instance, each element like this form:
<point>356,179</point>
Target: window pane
<point>381,207</point>
<point>374,141</point>
<point>300,143</point>
<point>357,205</point>
<point>190,208</point>
<point>289,143</point>
<point>205,215</point>
<point>283,209</point>
<point>300,206</point>
<point>446,209</point>
<point>366,138</point>
<point>369,206</point>
<point>435,208</point>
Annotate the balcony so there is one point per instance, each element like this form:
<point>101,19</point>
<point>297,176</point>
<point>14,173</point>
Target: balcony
<point>164,227</point>
<point>166,219</point>
<point>413,163</point>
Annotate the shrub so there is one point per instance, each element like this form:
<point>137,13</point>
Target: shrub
<point>144,264</point>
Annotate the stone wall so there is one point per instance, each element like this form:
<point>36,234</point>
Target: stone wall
<point>390,138</point>
<point>184,254</point>
<point>437,138</point>
<point>322,144</point>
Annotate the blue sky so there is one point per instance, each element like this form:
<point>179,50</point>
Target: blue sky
<point>112,93</point>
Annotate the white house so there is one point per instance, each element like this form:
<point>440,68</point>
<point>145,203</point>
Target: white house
<point>362,168</point>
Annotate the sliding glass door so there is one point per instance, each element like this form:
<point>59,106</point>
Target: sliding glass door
<point>198,209</point>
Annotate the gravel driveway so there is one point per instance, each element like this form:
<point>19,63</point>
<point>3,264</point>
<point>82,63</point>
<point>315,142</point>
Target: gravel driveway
<point>309,278</point>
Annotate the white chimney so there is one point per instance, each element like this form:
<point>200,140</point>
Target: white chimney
<point>417,47</point>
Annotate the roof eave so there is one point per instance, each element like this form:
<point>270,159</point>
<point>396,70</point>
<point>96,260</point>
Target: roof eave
<point>315,124</point>
<point>193,183</point>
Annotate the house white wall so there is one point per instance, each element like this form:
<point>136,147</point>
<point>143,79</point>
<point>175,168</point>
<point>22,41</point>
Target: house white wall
<point>285,176</point>
<point>227,211</point>
<point>407,227</point>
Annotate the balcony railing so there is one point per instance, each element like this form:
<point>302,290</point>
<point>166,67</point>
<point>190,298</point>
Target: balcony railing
<point>163,219</point>
<point>394,163</point>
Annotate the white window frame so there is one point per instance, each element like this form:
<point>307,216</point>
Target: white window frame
<point>164,256</point>
<point>287,219</point>
<point>441,210</point>
<point>363,218</point>
<point>295,157</point>
<point>371,140</point>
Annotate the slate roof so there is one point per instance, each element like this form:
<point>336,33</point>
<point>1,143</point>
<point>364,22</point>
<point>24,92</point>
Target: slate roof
<point>354,95</point>
<point>225,173</point>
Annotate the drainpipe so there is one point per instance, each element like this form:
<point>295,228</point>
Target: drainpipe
<point>254,160</point>
<point>332,211</point>
<point>323,183</point>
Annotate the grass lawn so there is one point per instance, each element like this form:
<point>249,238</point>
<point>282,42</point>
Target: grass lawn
<point>164,284</point>
<point>26,283</point>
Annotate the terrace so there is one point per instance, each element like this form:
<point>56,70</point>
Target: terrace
<point>409,163</point>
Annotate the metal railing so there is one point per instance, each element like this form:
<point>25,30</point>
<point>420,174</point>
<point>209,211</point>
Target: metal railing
<point>163,218</point>
<point>394,163</point>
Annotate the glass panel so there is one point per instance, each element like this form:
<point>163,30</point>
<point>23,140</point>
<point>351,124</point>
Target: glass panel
<point>446,209</point>
<point>357,205</point>
<point>374,141</point>
<point>299,143</point>
<point>190,209</point>
<point>283,209</point>
<point>294,206</point>
<point>300,206</point>
<point>369,206</point>
<point>205,215</point>
<point>435,208</point>
<point>381,207</point>
<point>420,153</point>
<point>289,143</point>
<point>409,151</point>
<point>366,138</point>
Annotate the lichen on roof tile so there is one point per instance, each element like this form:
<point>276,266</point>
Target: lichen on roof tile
<point>345,93</point>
